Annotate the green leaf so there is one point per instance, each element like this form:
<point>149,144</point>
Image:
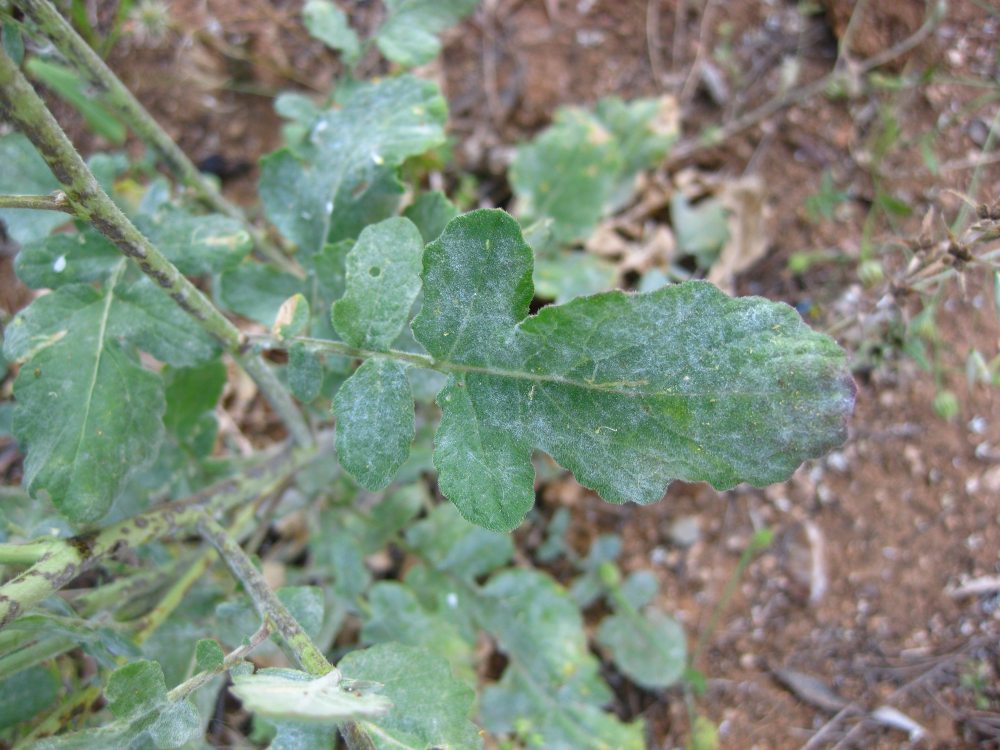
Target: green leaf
<point>568,274</point>
<point>375,422</point>
<point>429,707</point>
<point>651,649</point>
<point>551,693</point>
<point>136,695</point>
<point>12,42</point>
<point>61,259</point>
<point>383,280</point>
<point>71,86</point>
<point>25,172</point>
<point>208,654</point>
<point>409,34</point>
<point>342,177</point>
<point>627,391</point>
<point>431,212</point>
<point>396,615</point>
<point>26,694</point>
<point>567,173</point>
<point>701,229</point>
<point>298,696</point>
<point>191,392</point>
<point>197,245</point>
<point>305,372</point>
<point>640,588</point>
<point>452,544</point>
<point>306,605</point>
<point>257,290</point>
<point>329,24</point>
<point>87,413</point>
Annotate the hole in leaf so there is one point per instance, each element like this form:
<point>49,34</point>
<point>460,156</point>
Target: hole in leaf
<point>374,272</point>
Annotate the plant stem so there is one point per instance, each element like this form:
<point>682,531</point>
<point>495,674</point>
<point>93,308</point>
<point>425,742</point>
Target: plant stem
<point>194,682</point>
<point>69,558</point>
<point>24,108</point>
<point>24,554</point>
<point>121,101</point>
<point>268,605</point>
<point>54,202</point>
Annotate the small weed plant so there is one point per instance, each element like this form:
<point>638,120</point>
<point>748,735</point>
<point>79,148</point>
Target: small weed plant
<point>392,337</point>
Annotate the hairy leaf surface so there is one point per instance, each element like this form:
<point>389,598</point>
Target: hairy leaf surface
<point>329,24</point>
<point>296,695</point>
<point>383,280</point>
<point>375,422</point>
<point>429,707</point>
<point>87,412</point>
<point>342,176</point>
<point>627,391</point>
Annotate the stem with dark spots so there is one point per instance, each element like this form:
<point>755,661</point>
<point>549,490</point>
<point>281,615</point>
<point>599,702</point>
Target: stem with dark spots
<point>20,105</point>
<point>276,616</point>
<point>68,558</point>
<point>269,606</point>
<point>120,100</point>
<point>54,202</point>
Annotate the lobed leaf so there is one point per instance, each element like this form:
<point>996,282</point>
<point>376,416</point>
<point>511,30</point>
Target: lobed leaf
<point>627,391</point>
<point>329,24</point>
<point>409,34</point>
<point>342,177</point>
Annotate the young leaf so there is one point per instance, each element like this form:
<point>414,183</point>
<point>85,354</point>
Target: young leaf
<point>342,177</point>
<point>451,543</point>
<point>208,654</point>
<point>383,280</point>
<point>24,171</point>
<point>375,422</point>
<point>295,695</point>
<point>650,649</point>
<point>627,391</point>
<point>329,24</point>
<point>409,34</point>
<point>429,707</point>
<point>305,372</point>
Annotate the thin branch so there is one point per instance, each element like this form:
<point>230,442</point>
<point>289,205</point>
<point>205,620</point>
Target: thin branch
<point>269,606</point>
<point>20,105</point>
<point>121,101</point>
<point>233,658</point>
<point>53,202</point>
<point>690,146</point>
<point>71,557</point>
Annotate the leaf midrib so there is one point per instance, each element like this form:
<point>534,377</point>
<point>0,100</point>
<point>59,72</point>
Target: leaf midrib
<point>98,355</point>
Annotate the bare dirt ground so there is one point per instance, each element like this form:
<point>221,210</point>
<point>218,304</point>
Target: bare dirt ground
<point>852,608</point>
